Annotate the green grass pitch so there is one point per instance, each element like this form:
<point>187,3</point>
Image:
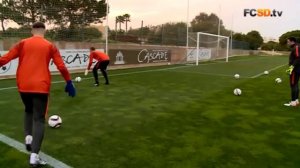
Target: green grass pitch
<point>168,117</point>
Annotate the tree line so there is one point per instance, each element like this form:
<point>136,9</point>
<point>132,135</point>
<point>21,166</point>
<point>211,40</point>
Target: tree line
<point>175,33</point>
<point>281,45</point>
<point>69,19</point>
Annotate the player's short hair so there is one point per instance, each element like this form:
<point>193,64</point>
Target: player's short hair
<point>38,25</point>
<point>92,48</point>
<point>292,39</point>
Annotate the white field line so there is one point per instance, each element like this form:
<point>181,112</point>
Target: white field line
<point>20,147</point>
<point>8,88</point>
<point>145,71</point>
<point>260,74</point>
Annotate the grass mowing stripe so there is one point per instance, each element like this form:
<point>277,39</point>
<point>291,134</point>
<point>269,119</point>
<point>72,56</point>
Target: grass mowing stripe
<point>20,147</point>
<point>224,62</point>
<point>210,74</point>
<point>120,74</point>
<point>239,60</point>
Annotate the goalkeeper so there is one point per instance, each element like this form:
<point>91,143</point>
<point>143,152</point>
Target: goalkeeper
<point>294,71</point>
<point>34,81</point>
<point>103,61</point>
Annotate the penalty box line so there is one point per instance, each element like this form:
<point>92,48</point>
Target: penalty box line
<point>272,69</point>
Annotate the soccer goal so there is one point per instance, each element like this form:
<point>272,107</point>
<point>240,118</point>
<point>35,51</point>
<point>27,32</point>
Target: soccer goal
<point>206,47</point>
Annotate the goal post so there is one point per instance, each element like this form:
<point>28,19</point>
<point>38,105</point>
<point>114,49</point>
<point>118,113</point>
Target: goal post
<point>213,46</point>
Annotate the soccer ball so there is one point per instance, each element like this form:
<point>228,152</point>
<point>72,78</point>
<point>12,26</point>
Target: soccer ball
<point>278,80</point>
<point>54,121</point>
<point>237,92</point>
<point>266,72</point>
<point>236,76</point>
<point>78,79</point>
<point>169,63</point>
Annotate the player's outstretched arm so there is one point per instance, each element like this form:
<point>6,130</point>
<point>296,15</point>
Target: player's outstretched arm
<point>12,54</point>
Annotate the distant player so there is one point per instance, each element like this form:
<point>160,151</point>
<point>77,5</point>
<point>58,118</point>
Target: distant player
<point>103,61</point>
<point>33,81</point>
<point>294,71</point>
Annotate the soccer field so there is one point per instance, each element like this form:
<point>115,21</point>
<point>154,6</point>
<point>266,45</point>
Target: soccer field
<point>176,116</point>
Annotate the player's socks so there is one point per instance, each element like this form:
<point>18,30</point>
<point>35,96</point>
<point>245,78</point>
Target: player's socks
<point>28,141</point>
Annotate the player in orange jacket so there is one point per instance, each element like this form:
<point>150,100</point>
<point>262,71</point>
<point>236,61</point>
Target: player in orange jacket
<point>103,61</point>
<point>33,81</point>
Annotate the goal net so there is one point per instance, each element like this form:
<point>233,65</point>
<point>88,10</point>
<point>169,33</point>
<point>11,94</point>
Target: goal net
<point>207,47</point>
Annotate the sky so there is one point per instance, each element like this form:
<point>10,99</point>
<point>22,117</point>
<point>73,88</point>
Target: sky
<point>156,12</point>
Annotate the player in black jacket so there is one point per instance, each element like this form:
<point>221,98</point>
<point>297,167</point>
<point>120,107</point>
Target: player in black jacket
<point>294,71</point>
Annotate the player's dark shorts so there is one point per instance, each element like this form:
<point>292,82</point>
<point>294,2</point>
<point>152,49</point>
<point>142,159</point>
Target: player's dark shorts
<point>102,65</point>
<point>35,103</point>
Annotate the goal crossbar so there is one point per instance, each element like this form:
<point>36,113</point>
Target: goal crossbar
<point>214,35</point>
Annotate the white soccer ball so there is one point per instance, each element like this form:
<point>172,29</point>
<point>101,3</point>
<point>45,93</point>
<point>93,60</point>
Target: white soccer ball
<point>266,72</point>
<point>236,76</point>
<point>169,63</point>
<point>54,121</point>
<point>278,80</point>
<point>237,92</point>
<point>78,79</point>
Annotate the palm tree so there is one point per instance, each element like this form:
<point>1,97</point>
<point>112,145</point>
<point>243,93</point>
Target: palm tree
<point>126,19</point>
<point>116,25</point>
<point>120,20</point>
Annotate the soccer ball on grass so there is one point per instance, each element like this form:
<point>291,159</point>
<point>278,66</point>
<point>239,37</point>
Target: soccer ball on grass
<point>78,79</point>
<point>278,80</point>
<point>54,121</point>
<point>236,76</point>
<point>237,92</point>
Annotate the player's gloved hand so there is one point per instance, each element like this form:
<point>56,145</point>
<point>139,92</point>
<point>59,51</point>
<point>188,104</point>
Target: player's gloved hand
<point>290,70</point>
<point>70,89</point>
<point>86,72</point>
